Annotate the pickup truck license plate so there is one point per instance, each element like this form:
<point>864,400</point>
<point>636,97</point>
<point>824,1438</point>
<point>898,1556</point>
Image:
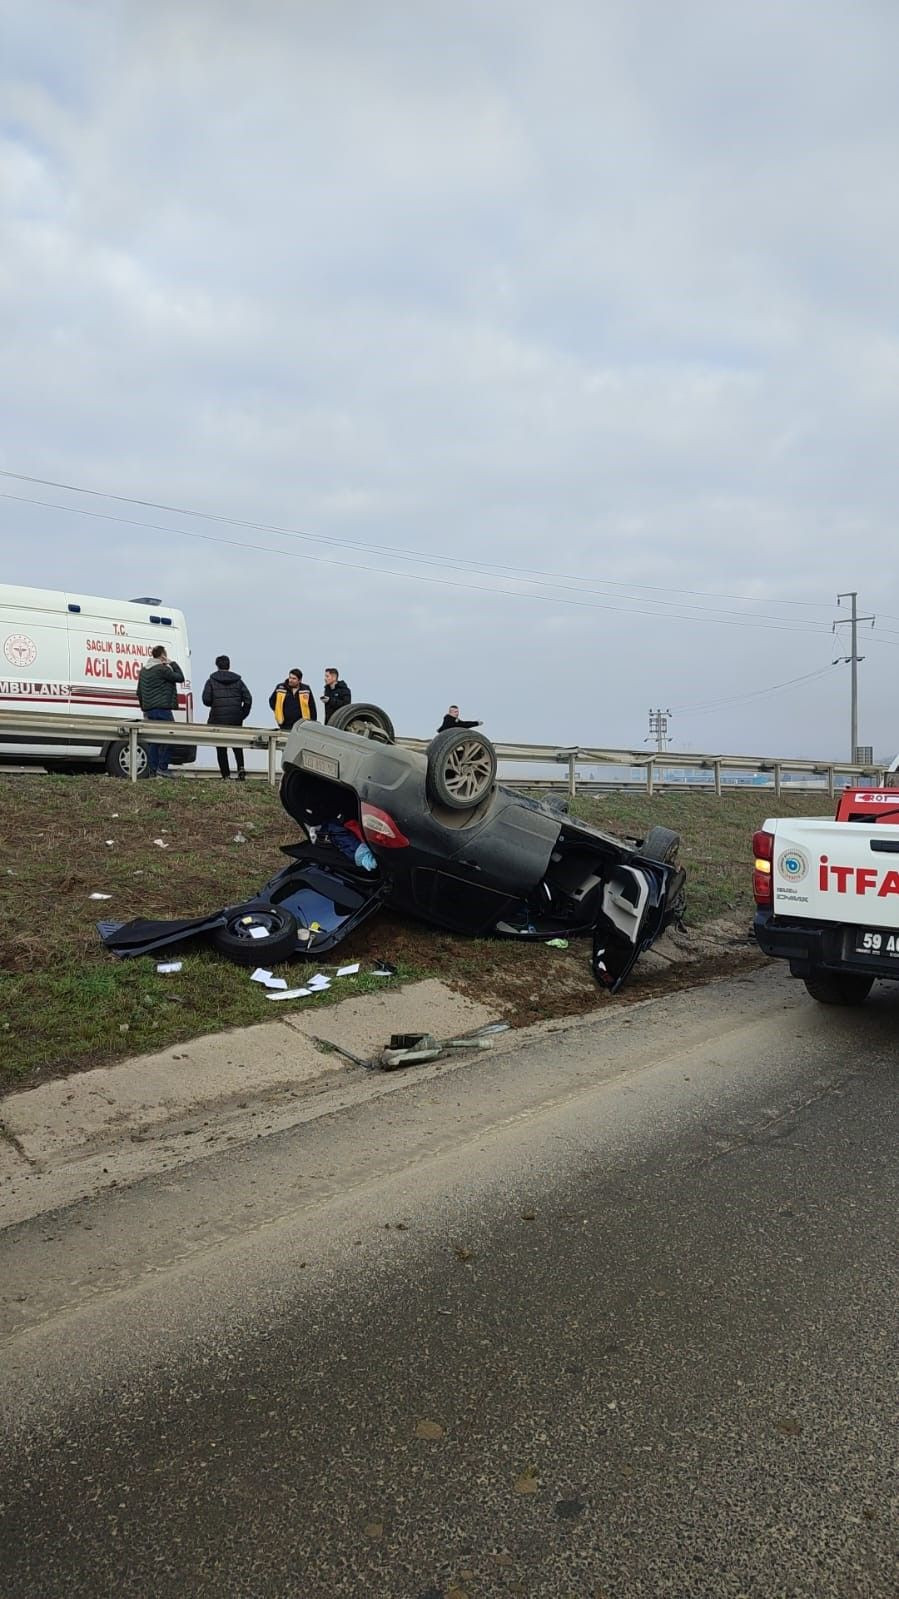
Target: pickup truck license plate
<point>878,944</point>
<point>325,765</point>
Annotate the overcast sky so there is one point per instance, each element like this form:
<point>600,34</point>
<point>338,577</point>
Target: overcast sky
<point>562,339</point>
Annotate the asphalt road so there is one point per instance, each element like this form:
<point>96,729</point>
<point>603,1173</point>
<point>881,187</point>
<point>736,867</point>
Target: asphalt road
<point>615,1315</point>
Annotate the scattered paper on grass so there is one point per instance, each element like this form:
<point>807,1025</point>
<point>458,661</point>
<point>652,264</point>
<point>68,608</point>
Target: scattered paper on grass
<point>383,969</point>
<point>291,993</point>
<point>110,843</point>
<point>267,979</point>
<point>258,932</point>
<point>557,943</point>
<point>101,896</point>
<point>160,843</point>
<point>169,966</point>
<point>240,838</point>
<point>431,1430</point>
<point>348,971</point>
<point>319,982</point>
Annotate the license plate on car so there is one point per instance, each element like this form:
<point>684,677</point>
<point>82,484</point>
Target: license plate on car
<point>877,943</point>
<point>325,765</point>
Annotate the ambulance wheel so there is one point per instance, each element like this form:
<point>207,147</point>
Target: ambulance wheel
<point>118,759</point>
<point>257,933</point>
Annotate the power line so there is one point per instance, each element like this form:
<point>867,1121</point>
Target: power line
<point>511,573</point>
<point>771,625</point>
<point>774,688</point>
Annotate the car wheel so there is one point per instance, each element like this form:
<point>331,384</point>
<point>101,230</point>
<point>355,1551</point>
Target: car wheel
<point>838,988</point>
<point>461,768</point>
<point>661,844</point>
<point>118,759</point>
<point>367,721</point>
<point>239,937</point>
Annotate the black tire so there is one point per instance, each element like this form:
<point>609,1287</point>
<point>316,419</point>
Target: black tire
<point>235,941</point>
<point>368,721</point>
<point>118,759</point>
<point>461,768</point>
<point>839,988</point>
<point>661,844</point>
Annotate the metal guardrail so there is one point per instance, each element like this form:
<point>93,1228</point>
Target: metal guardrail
<point>16,725</point>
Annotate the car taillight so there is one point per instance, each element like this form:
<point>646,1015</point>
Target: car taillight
<point>762,884</point>
<point>381,829</point>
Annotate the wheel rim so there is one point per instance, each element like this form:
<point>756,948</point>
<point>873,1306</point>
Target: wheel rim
<point>125,760</point>
<point>468,770</point>
<point>241,928</point>
<point>367,727</point>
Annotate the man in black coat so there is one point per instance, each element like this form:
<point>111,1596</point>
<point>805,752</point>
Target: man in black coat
<point>230,703</point>
<point>451,719</point>
<point>335,692</point>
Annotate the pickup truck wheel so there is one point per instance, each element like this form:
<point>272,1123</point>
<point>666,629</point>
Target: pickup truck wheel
<point>839,988</point>
<point>367,721</point>
<point>461,769</point>
<point>240,938</point>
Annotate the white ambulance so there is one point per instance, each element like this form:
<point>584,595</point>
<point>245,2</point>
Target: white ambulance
<point>77,655</point>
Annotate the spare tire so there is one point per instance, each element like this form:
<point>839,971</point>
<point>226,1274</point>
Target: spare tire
<point>368,721</point>
<point>236,939</point>
<point>461,768</point>
<point>661,844</point>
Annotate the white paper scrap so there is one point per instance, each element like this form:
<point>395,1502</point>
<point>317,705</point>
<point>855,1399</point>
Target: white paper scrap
<point>292,993</point>
<point>258,932</point>
<point>262,976</point>
<point>348,971</point>
<point>101,896</point>
<point>319,981</point>
<point>169,966</point>
<point>161,843</point>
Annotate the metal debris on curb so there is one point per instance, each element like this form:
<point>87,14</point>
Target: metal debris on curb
<point>415,1049</point>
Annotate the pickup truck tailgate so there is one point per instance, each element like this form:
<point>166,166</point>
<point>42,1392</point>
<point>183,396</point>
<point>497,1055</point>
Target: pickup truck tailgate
<point>836,871</point>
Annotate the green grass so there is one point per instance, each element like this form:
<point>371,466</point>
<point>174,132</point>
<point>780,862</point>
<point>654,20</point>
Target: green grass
<point>65,1003</point>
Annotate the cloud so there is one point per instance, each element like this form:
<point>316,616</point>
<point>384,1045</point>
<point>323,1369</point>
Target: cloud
<point>604,292</point>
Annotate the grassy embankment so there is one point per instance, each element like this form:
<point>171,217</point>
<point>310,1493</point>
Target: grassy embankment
<point>65,1003</point>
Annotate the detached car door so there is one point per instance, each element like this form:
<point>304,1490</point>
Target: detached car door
<point>640,899</point>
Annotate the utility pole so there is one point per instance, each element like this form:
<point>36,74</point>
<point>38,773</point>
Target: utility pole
<point>853,659</point>
<point>658,728</point>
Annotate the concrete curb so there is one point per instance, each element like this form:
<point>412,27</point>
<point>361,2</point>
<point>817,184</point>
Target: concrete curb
<point>72,1137</point>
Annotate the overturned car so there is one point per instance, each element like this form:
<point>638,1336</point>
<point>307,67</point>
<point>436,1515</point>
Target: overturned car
<point>455,848</point>
<point>434,836</point>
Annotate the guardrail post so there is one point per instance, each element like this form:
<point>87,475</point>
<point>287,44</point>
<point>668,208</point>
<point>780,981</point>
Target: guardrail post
<point>718,778</point>
<point>831,782</point>
<point>572,775</point>
<point>777,777</point>
<point>132,752</point>
<point>649,777</point>
<point>273,759</point>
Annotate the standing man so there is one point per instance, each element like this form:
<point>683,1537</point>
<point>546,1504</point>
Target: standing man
<point>335,692</point>
<point>230,703</point>
<point>157,696</point>
<point>451,719</point>
<point>293,700</point>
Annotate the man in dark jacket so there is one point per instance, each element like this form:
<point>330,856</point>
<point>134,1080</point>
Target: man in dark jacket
<point>293,700</point>
<point>230,703</point>
<point>451,719</point>
<point>157,696</point>
<point>335,692</point>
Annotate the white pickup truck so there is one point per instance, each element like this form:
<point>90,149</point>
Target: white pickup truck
<point>827,895</point>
